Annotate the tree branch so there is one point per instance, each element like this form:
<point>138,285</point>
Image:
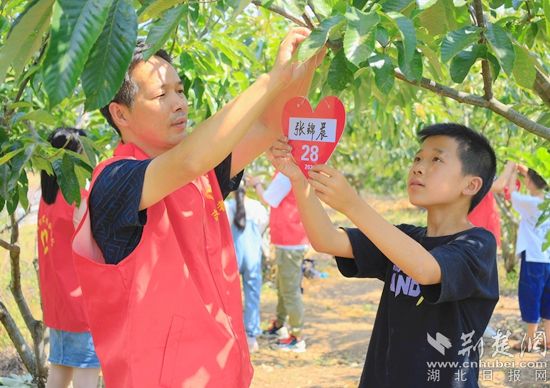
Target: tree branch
<point>15,283</point>
<point>471,99</point>
<point>313,10</point>
<point>485,69</point>
<point>6,245</point>
<point>17,338</point>
<point>280,11</point>
<point>308,21</point>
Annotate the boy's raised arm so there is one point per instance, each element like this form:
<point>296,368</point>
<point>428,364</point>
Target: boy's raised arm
<point>333,189</point>
<point>323,235</point>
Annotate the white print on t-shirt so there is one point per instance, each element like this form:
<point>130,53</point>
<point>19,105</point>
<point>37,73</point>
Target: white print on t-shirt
<point>401,283</point>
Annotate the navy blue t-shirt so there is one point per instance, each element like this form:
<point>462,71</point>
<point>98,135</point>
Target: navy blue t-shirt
<point>117,224</point>
<point>419,327</point>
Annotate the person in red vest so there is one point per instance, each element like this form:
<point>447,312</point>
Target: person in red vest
<point>289,238</point>
<point>154,250</point>
<point>72,354</point>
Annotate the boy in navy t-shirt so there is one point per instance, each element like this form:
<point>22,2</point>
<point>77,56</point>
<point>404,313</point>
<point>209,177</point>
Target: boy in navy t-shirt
<point>440,281</point>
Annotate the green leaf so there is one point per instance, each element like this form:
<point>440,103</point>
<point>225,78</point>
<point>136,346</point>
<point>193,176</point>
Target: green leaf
<point>546,6</point>
<point>464,60</point>
<point>382,36</point>
<point>5,158</point>
<point>39,163</point>
<point>25,37</point>
<point>495,66</point>
<point>383,72</point>
<point>4,178</point>
<point>433,60</point>
<point>412,69</point>
<point>155,8</point>
<point>111,56</point>
<point>88,147</point>
<point>18,163</point>
<point>524,68</point>
<point>359,41</point>
<point>22,190</point>
<point>339,75</point>
<point>161,30</point>
<point>502,46</point>
<point>295,7</point>
<point>318,38</point>
<point>11,205</point>
<point>67,179</point>
<point>323,8</point>
<point>395,5</point>
<point>456,41</point>
<point>40,116</point>
<point>434,17</point>
<point>20,104</point>
<point>408,34</point>
<point>76,25</point>
<point>424,4</point>
<point>240,7</point>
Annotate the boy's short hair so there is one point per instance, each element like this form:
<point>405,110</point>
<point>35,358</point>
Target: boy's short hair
<point>537,180</point>
<point>129,88</point>
<point>474,151</point>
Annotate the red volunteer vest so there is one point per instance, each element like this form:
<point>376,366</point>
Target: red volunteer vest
<point>59,287</point>
<point>285,225</point>
<point>169,314</point>
<point>486,215</point>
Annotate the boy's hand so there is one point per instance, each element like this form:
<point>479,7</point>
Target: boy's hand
<point>280,156</point>
<point>333,188</point>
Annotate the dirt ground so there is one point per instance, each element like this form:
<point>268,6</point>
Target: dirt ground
<point>339,318</point>
<point>340,313</point>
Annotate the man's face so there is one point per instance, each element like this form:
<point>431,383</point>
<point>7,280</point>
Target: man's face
<point>158,115</point>
<point>436,177</point>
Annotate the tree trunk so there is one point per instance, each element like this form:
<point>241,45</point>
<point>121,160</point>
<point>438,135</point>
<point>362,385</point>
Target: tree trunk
<point>33,357</point>
<point>509,224</point>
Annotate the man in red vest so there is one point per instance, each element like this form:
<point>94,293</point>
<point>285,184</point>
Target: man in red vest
<point>154,251</point>
<point>289,238</point>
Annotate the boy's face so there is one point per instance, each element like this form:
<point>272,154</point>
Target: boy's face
<point>436,178</point>
<point>158,115</point>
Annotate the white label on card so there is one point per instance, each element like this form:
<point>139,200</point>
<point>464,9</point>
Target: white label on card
<point>311,129</point>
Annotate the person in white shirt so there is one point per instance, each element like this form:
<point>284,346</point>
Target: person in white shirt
<point>534,279</point>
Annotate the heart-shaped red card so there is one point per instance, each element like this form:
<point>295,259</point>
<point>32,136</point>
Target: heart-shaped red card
<point>313,134</point>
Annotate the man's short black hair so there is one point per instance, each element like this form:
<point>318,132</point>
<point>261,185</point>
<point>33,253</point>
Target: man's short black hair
<point>537,180</point>
<point>129,88</point>
<point>475,153</point>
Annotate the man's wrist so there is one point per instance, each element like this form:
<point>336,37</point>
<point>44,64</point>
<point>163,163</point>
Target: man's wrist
<point>278,78</point>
